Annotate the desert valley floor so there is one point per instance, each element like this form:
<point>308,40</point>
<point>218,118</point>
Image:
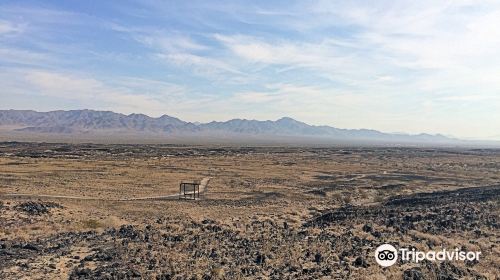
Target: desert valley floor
<point>267,213</point>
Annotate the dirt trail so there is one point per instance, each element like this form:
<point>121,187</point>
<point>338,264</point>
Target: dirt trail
<point>203,186</point>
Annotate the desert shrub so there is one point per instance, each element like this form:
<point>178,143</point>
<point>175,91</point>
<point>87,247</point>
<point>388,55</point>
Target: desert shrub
<point>218,273</point>
<point>364,194</point>
<point>337,196</point>
<point>347,199</point>
<point>379,198</point>
<point>91,223</point>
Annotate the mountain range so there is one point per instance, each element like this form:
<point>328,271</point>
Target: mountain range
<point>90,122</point>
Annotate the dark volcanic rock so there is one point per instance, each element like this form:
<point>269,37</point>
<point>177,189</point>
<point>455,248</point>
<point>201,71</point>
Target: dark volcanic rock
<point>413,274</point>
<point>444,197</point>
<point>450,211</point>
<point>80,273</point>
<point>360,262</point>
<point>128,231</point>
<point>367,228</point>
<point>30,247</point>
<point>37,208</point>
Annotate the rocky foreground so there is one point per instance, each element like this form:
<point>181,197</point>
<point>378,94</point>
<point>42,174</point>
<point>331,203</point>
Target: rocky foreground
<point>334,244</point>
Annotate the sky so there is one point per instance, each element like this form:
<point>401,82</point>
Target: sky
<point>395,66</point>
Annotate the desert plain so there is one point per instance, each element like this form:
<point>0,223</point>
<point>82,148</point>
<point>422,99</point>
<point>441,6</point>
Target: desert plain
<point>67,211</point>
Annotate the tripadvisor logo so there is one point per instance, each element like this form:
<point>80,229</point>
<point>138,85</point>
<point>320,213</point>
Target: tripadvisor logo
<point>386,255</point>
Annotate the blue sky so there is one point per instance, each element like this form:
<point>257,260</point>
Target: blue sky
<point>395,66</point>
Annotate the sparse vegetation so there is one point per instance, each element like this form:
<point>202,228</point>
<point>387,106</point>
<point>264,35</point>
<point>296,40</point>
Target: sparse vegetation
<point>91,224</point>
<point>311,219</point>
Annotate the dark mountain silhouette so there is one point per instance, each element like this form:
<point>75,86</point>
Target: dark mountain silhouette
<point>283,126</point>
<point>90,121</point>
<point>289,126</point>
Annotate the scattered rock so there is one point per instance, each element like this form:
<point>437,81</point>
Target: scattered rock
<point>368,228</point>
<point>37,208</point>
<point>360,262</point>
<point>413,274</point>
<point>30,246</point>
<point>318,258</point>
<point>128,231</point>
<point>260,259</point>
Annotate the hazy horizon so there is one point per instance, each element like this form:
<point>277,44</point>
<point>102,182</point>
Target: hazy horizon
<point>223,120</point>
<point>406,67</point>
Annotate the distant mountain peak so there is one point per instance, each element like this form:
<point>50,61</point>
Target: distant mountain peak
<point>286,119</point>
<point>87,121</point>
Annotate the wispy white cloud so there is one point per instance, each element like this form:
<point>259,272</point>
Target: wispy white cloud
<point>325,59</point>
<point>7,27</point>
<point>313,104</point>
<point>403,52</point>
<point>124,94</point>
<point>278,52</point>
<point>171,43</point>
<point>87,90</point>
<point>205,66</point>
<point>181,50</point>
<point>24,57</point>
